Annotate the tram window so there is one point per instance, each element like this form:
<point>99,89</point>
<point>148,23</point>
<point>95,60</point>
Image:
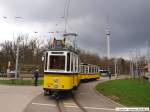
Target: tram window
<point>57,62</point>
<point>72,63</point>
<point>94,69</point>
<point>87,69</point>
<point>77,64</point>
<point>46,56</point>
<point>90,69</point>
<point>68,61</point>
<point>81,69</point>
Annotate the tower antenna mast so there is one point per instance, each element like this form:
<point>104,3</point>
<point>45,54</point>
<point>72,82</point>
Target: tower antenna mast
<point>108,37</point>
<point>108,42</point>
<point>66,13</point>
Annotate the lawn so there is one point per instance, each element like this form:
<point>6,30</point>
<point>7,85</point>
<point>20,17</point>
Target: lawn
<point>20,82</point>
<point>129,92</point>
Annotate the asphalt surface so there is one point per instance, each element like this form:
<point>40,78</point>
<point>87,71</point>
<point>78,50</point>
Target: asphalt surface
<point>16,98</point>
<point>41,104</point>
<point>86,96</point>
<point>92,101</point>
<point>31,99</point>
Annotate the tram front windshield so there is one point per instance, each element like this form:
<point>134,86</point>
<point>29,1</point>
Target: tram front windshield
<point>57,62</point>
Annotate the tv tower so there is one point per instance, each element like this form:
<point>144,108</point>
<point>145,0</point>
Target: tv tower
<point>108,43</point>
<point>108,38</point>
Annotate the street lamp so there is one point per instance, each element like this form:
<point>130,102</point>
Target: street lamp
<point>17,57</point>
<point>115,61</point>
<point>18,41</point>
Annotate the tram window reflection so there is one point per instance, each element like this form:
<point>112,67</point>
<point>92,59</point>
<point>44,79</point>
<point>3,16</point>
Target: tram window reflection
<point>57,62</point>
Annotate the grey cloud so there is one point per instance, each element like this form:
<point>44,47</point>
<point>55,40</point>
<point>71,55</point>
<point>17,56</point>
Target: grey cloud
<point>129,20</point>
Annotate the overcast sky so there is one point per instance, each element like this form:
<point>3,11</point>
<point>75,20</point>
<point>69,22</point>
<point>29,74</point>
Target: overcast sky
<point>129,21</point>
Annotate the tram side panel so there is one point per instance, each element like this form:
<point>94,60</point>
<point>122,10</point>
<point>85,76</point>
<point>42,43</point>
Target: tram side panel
<point>58,82</point>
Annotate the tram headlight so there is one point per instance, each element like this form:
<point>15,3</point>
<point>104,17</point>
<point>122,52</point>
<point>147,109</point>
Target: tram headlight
<point>55,85</point>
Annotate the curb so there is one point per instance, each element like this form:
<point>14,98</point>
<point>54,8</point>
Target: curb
<point>108,99</point>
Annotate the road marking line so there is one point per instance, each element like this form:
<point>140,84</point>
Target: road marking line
<point>71,106</point>
<point>69,103</point>
<point>42,104</point>
<point>96,108</point>
<point>93,108</point>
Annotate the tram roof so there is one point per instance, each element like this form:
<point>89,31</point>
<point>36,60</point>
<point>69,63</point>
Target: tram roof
<point>72,34</point>
<point>88,64</point>
<point>64,49</point>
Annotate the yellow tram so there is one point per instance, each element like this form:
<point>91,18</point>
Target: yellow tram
<point>89,72</point>
<point>61,67</point>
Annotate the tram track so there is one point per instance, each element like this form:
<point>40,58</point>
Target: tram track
<point>61,107</point>
<point>78,104</point>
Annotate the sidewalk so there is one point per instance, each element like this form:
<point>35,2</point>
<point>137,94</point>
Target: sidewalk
<point>16,98</point>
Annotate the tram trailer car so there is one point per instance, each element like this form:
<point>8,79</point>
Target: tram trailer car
<point>61,71</point>
<point>89,72</point>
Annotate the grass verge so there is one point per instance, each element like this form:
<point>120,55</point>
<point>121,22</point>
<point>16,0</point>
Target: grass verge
<point>20,82</point>
<point>128,92</point>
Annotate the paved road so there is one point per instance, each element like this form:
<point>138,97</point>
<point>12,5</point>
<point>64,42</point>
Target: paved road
<point>16,98</point>
<point>31,99</point>
<point>92,101</point>
<point>86,96</point>
<point>41,104</point>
